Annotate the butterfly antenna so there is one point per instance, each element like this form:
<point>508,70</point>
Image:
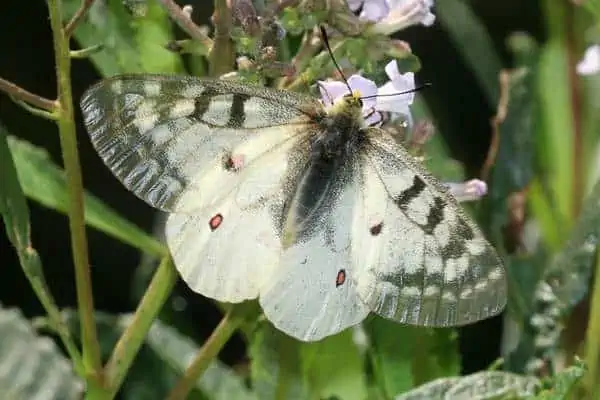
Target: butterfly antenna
<point>328,47</point>
<point>416,89</point>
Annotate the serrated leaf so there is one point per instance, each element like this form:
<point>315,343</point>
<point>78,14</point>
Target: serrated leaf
<point>403,356</point>
<point>571,268</point>
<point>32,366</point>
<point>480,386</point>
<point>45,183</point>
<point>133,35</point>
<point>568,275</point>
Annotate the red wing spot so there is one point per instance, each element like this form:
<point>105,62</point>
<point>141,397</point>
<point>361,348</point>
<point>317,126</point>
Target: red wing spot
<point>340,278</point>
<point>215,222</point>
<point>376,229</point>
<point>234,162</point>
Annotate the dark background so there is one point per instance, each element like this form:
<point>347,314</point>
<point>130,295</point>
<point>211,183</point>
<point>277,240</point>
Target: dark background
<point>26,58</point>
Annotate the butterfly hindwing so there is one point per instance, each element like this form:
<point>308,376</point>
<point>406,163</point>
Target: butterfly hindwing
<point>161,134</point>
<point>422,260</point>
<point>312,293</point>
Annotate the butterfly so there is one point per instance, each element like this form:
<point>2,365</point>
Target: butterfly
<point>273,195</point>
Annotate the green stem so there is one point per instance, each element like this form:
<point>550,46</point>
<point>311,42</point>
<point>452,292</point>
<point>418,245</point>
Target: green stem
<point>592,340</point>
<point>222,55</point>
<point>18,93</point>
<point>132,339</point>
<point>32,266</point>
<point>81,12</point>
<point>230,322</point>
<point>309,73</point>
<point>68,142</point>
<point>309,46</point>
<point>185,23</point>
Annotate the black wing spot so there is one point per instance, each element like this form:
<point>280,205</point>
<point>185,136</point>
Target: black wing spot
<point>406,196</point>
<point>237,114</point>
<point>215,221</point>
<point>340,278</point>
<point>376,229</point>
<point>436,215</point>
<point>201,103</point>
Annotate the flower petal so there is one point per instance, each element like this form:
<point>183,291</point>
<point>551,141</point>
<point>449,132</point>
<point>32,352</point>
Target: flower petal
<point>366,87</point>
<point>404,13</point>
<point>590,64</point>
<point>355,4</point>
<point>468,191</point>
<point>374,10</point>
<point>331,91</point>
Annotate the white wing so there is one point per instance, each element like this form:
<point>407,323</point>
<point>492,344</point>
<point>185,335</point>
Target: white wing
<point>313,293</point>
<point>420,258</point>
<point>176,141</point>
<point>228,248</point>
<point>217,154</point>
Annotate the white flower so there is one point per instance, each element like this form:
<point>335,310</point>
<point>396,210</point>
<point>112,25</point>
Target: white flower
<point>392,101</point>
<point>590,64</point>
<point>402,14</point>
<point>388,98</point>
<point>370,10</point>
<point>469,190</point>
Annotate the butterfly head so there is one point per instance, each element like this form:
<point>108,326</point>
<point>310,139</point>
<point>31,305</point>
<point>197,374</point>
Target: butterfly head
<point>348,105</point>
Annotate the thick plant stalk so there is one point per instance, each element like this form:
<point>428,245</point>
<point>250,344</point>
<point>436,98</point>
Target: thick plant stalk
<point>132,339</point>
<point>207,353</point>
<point>68,142</point>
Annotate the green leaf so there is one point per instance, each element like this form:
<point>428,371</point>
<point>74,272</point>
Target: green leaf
<point>556,137</point>
<point>13,206</point>
<point>133,38</point>
<point>480,386</point>
<point>560,386</point>
<point>32,366</point>
<point>161,361</point>
<point>45,183</point>
<point>471,38</point>
<point>515,126</point>
<point>403,356</point>
<point>153,34</point>
<point>284,368</point>
<point>568,275</point>
<point>572,267</point>
<point>275,370</point>
<point>333,367</point>
<point>217,382</point>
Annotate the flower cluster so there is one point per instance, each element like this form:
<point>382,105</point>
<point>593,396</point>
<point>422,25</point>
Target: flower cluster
<point>395,96</point>
<point>393,15</point>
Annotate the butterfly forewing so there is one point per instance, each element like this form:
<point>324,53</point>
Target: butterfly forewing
<point>161,134</point>
<point>428,263</point>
